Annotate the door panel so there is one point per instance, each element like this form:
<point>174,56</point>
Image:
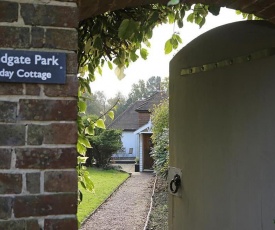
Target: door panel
<point>147,145</point>
<point>222,129</point>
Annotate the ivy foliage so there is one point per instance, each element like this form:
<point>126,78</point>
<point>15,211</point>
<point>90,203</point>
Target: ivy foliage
<point>122,36</point>
<point>118,38</point>
<point>248,16</point>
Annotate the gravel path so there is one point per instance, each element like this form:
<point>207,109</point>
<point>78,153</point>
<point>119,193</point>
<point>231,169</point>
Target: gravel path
<point>127,208</point>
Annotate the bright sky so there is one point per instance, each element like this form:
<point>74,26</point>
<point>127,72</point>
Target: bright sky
<point>157,63</point>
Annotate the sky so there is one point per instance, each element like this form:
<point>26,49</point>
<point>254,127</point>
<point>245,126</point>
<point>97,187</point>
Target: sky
<point>157,63</point>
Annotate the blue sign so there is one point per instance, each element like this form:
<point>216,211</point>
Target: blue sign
<point>32,67</point>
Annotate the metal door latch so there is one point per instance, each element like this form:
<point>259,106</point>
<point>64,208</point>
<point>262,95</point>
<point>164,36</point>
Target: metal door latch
<point>175,181</point>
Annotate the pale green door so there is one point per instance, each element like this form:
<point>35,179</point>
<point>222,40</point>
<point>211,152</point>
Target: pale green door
<point>222,129</point>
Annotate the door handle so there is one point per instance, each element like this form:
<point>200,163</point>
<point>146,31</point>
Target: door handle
<point>175,184</point>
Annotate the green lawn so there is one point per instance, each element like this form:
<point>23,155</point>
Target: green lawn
<point>105,182</point>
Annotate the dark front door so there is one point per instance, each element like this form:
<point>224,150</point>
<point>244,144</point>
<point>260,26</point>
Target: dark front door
<point>146,149</point>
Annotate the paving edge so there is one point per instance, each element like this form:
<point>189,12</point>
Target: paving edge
<point>92,213</point>
<point>151,205</point>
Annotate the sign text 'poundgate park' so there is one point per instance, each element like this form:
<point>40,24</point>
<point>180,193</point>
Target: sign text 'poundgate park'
<point>32,67</point>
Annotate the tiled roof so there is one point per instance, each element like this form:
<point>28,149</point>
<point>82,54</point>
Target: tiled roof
<point>148,104</point>
<point>128,120</point>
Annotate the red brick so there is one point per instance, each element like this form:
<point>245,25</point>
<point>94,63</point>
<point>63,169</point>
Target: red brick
<point>5,208</point>
<point>237,4</point>
<point>33,89</point>
<point>60,181</point>
<point>37,158</point>
<point>37,38</point>
<point>247,6</point>
<point>20,225</point>
<point>33,182</point>
<point>272,20</point>
<point>12,135</point>
<point>56,224</point>
<point>9,11</point>
<point>70,89</point>
<point>5,156</point>
<point>15,37</point>
<point>8,111</point>
<point>61,39</point>
<point>49,15</point>
<point>43,205</point>
<point>64,133</point>
<point>72,63</point>
<point>47,110</point>
<point>268,12</point>
<point>10,183</point>
<point>143,118</point>
<point>32,225</point>
<point>11,89</point>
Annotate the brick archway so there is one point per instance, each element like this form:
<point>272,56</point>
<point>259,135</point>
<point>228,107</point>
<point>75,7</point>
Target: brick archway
<point>38,129</point>
<point>263,8</point>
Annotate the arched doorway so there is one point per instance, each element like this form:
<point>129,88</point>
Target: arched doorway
<point>35,144</point>
<point>264,10</point>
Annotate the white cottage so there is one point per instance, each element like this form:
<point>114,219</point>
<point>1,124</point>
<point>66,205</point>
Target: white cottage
<point>136,129</point>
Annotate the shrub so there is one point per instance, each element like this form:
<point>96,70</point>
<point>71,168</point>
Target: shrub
<point>160,138</point>
<point>104,143</point>
<point>160,153</point>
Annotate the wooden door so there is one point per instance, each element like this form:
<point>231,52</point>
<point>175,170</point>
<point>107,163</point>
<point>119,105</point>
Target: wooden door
<point>222,129</point>
<point>146,149</point>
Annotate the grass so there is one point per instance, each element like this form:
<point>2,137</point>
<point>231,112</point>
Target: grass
<point>105,182</point>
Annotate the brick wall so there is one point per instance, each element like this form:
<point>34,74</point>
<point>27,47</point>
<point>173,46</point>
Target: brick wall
<point>262,8</point>
<point>143,118</point>
<point>38,132</point>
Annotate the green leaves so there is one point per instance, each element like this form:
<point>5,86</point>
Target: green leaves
<point>143,53</point>
<point>133,56</point>
<point>127,29</point>
<point>168,47</point>
<point>119,72</point>
<point>82,106</point>
<point>97,43</point>
<point>81,149</point>
<point>84,141</point>
<point>199,14</point>
<point>111,114</point>
<point>110,65</point>
<point>100,124</point>
<point>90,130</point>
<point>191,17</point>
<point>84,179</point>
<point>248,16</point>
<point>215,10</point>
<point>173,2</point>
<point>172,43</point>
<point>81,160</point>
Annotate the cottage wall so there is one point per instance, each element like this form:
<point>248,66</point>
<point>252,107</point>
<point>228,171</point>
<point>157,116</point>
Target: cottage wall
<point>38,131</point>
<point>129,141</point>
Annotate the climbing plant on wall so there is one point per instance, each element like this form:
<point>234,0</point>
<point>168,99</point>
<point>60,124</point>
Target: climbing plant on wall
<point>120,37</point>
